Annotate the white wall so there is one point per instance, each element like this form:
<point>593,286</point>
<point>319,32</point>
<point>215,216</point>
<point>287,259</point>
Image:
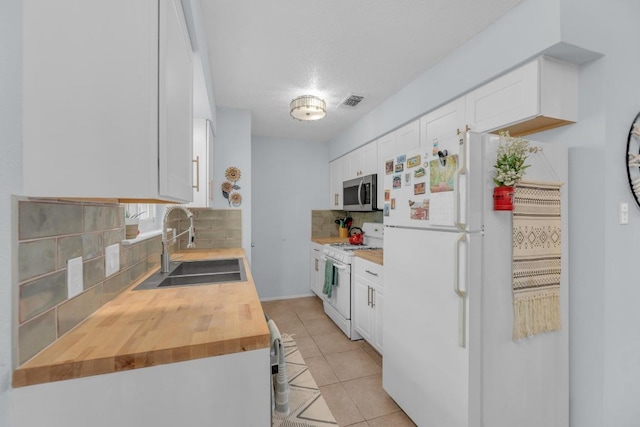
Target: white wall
<point>604,319</point>
<point>232,147</point>
<point>290,178</point>
<point>10,179</point>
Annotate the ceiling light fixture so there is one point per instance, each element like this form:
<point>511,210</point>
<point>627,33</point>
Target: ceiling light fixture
<point>308,107</point>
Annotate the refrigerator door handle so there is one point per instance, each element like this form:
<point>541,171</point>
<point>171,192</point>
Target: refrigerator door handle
<point>462,170</point>
<point>461,291</point>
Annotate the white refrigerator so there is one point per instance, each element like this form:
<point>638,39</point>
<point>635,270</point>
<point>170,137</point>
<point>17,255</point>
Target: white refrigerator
<point>449,358</point>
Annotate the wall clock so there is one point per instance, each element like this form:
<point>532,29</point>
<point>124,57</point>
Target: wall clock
<point>633,159</point>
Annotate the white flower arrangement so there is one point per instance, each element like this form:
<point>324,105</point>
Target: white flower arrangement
<point>510,162</point>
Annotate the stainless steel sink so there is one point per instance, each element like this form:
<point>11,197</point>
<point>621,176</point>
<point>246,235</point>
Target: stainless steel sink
<point>192,273</point>
<point>212,266</point>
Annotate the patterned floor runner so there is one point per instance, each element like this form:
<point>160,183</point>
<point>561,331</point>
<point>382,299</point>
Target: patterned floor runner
<point>307,406</point>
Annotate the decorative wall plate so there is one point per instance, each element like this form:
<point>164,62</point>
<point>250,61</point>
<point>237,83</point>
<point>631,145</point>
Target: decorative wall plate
<point>633,159</point>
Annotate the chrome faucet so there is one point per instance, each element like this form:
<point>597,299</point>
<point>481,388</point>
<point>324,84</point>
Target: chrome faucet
<point>164,256</point>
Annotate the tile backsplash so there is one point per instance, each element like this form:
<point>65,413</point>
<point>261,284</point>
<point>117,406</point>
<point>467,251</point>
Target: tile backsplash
<point>323,221</point>
<point>49,234</point>
<point>215,228</point>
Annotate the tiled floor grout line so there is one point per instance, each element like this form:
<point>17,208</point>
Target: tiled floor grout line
<point>301,314</point>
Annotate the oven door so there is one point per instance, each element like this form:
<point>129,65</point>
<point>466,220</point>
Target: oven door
<point>341,293</point>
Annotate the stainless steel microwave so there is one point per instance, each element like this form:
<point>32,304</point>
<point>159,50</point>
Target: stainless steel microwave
<point>359,194</point>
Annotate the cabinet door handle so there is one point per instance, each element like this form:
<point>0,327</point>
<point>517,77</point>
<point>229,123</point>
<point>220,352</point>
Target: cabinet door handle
<point>316,260</point>
<point>369,296</point>
<point>373,297</point>
<point>197,162</point>
<point>372,273</point>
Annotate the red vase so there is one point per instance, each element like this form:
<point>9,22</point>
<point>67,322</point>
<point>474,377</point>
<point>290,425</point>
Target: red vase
<point>503,199</point>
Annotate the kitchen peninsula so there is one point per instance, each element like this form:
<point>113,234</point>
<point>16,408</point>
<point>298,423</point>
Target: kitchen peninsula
<point>205,350</point>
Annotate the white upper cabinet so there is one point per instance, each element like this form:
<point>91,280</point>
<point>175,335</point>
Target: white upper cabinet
<point>202,164</point>
<point>362,161</point>
<point>356,164</point>
<point>408,137</point>
<point>540,95</point>
<point>337,170</point>
<point>370,157</point>
<point>107,100</point>
<point>441,124</point>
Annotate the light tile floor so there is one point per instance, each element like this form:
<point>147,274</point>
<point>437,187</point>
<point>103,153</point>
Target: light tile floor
<point>349,373</point>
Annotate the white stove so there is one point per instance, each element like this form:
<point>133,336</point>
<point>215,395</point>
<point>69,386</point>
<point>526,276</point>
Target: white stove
<point>344,252</point>
<point>341,255</point>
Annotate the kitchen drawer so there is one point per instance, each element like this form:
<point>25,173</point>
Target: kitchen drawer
<point>369,270</point>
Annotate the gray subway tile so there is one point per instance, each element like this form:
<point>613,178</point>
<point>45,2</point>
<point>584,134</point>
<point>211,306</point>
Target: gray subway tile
<point>234,234</point>
<point>205,224</point>
<point>36,258</point>
<point>92,272</point>
<point>139,252</point>
<point>77,309</point>
<point>38,296</point>
<point>211,234</point>
<point>153,261</point>
<point>98,218</point>
<point>154,245</point>
<point>126,257</point>
<point>139,270</point>
<point>234,214</point>
<point>88,246</point>
<point>111,237</point>
<point>35,335</point>
<point>210,214</point>
<point>202,244</point>
<point>115,284</point>
<point>41,219</point>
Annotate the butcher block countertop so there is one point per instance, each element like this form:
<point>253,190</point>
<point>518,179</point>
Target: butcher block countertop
<point>329,240</point>
<point>145,328</point>
<point>374,255</point>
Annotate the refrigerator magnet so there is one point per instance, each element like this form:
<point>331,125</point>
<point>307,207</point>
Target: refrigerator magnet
<point>385,211</point>
<point>388,167</point>
<point>387,195</point>
<point>420,172</point>
<point>441,177</point>
<point>399,167</point>
<point>420,211</point>
<point>407,179</point>
<point>419,188</point>
<point>413,161</point>
<point>393,203</point>
<point>397,181</point>
<point>401,158</point>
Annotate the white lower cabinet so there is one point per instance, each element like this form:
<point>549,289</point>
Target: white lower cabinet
<point>368,300</point>
<point>316,271</point>
<point>227,390</point>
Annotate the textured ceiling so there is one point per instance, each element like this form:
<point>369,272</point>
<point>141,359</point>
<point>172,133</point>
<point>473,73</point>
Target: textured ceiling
<point>265,53</point>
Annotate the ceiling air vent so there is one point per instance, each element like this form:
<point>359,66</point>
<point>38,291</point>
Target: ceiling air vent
<point>352,101</point>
